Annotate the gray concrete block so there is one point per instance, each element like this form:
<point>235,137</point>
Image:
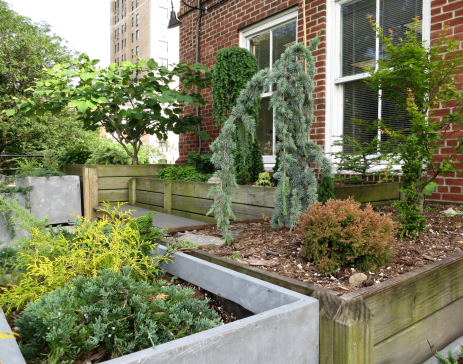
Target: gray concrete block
<point>202,240</point>
<point>5,237</point>
<point>9,350</point>
<point>56,197</point>
<point>284,328</point>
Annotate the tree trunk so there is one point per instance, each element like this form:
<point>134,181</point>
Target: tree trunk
<point>135,153</point>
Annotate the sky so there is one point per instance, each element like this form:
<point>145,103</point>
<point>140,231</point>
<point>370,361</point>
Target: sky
<point>83,23</point>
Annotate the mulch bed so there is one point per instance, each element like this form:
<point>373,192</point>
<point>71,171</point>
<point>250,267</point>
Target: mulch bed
<point>278,251</point>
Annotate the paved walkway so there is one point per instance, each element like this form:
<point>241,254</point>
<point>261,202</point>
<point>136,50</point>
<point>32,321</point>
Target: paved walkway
<point>161,219</point>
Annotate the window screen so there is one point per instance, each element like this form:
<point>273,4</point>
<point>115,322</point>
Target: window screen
<point>282,38</point>
<point>260,47</point>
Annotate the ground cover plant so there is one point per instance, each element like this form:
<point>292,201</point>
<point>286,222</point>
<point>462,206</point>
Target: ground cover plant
<point>180,173</point>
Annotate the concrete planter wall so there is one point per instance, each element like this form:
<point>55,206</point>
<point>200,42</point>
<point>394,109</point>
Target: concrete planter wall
<point>5,237</point>
<point>55,197</point>
<point>388,323</point>
<point>283,329</point>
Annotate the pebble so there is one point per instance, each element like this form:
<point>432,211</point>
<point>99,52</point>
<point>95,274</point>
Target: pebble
<point>357,279</point>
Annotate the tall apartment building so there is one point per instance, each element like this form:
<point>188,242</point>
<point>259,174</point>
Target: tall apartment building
<point>139,28</point>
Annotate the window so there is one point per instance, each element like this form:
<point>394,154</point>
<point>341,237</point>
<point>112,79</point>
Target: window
<point>132,5</point>
<point>122,14</point>
<point>132,21</point>
<point>115,33</point>
<point>163,13</point>
<point>163,46</point>
<point>138,3</point>
<point>132,53</point>
<point>138,19</point>
<point>163,62</point>
<point>118,47</point>
<point>267,41</point>
<point>359,48</point>
<point>122,56</point>
<point>115,6</point>
<point>137,35</point>
<point>117,17</point>
<point>132,37</point>
<point>122,43</point>
<point>137,51</point>
<point>115,48</point>
<point>122,29</point>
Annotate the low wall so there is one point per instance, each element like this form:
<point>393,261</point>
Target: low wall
<point>189,199</point>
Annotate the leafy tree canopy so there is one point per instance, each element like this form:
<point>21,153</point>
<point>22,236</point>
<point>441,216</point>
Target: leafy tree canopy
<point>25,49</point>
<point>129,99</point>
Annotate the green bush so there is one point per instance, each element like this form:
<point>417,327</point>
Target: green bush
<point>180,173</point>
<point>111,311</point>
<point>110,152</point>
<point>243,177</point>
<point>325,189</point>
<point>339,232</point>
<point>450,359</point>
<point>52,261</point>
<point>75,155</point>
<point>149,234</point>
<point>264,180</point>
<point>202,162</point>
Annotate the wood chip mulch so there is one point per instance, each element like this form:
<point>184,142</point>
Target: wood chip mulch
<point>278,251</point>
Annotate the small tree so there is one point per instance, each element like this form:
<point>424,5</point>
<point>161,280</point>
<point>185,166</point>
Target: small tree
<point>421,80</point>
<point>129,99</point>
<point>293,104</point>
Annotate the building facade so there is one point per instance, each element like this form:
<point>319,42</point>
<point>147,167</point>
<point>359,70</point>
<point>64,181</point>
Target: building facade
<point>138,28</point>
<point>348,46</point>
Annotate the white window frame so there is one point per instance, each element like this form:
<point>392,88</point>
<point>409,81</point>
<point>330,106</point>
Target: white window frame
<point>334,83</point>
<point>283,18</point>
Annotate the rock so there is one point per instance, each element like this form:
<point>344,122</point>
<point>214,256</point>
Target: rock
<point>233,233</point>
<point>449,212</point>
<point>213,180</point>
<point>357,279</point>
<point>250,252</point>
<point>203,240</point>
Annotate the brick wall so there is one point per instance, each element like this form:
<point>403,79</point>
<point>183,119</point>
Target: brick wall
<point>221,28</point>
<point>450,13</point>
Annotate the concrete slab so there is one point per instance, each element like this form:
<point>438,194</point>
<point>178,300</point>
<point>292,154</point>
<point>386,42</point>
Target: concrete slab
<point>56,197</point>
<point>9,349</point>
<point>161,219</point>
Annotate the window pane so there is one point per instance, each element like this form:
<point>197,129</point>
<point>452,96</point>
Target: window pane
<point>360,102</point>
<point>283,37</point>
<point>264,129</point>
<point>395,119</point>
<point>357,37</point>
<point>260,47</point>
<point>398,15</point>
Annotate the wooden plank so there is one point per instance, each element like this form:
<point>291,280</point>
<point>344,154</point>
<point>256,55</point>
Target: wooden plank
<point>129,170</point>
<point>73,169</point>
<point>150,198</point>
<point>90,191</point>
<point>113,195</point>
<point>202,206</point>
<point>178,229</point>
<point>150,184</point>
<point>132,191</point>
<point>369,192</point>
<point>113,183</point>
<point>410,345</point>
<point>249,195</point>
<point>404,300</point>
<point>168,197</point>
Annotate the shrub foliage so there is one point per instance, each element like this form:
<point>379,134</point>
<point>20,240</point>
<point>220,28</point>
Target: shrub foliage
<point>339,232</point>
<point>111,311</point>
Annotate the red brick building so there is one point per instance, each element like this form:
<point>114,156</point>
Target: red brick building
<point>348,45</point>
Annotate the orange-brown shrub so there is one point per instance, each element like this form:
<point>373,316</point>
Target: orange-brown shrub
<point>339,232</point>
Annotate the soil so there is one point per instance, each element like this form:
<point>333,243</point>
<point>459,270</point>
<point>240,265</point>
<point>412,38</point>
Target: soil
<point>95,356</point>
<point>279,250</point>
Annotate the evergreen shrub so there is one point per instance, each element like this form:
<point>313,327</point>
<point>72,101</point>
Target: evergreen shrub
<point>202,162</point>
<point>180,173</point>
<point>339,232</point>
<point>111,311</point>
<point>52,261</point>
<point>264,180</point>
<point>325,189</point>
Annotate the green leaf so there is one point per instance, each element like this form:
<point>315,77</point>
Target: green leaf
<point>429,188</point>
<point>10,112</point>
<point>84,76</point>
<point>113,67</point>
<point>152,64</point>
<point>82,106</point>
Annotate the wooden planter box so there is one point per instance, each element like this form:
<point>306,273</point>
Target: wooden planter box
<point>104,183</point>
<point>189,199</point>
<point>386,323</point>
